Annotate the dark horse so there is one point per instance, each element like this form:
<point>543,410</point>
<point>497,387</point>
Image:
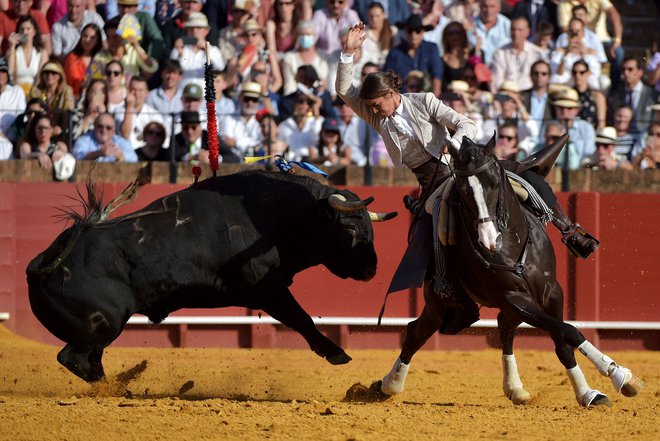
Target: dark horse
<point>504,259</point>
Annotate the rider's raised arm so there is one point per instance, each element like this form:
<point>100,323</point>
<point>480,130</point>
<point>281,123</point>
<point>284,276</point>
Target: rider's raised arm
<point>344,81</point>
<point>445,115</point>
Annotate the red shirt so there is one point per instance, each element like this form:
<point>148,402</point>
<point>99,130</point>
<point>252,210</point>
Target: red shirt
<point>8,20</point>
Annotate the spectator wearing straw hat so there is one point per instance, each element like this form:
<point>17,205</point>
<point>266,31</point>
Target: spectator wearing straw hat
<point>241,135</point>
<point>582,145</point>
<point>191,54</point>
<point>174,27</point>
<point>606,157</point>
<point>52,88</point>
<point>413,53</point>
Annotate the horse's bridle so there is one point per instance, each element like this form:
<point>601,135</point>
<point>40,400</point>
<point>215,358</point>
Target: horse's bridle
<point>517,268</point>
<point>502,217</point>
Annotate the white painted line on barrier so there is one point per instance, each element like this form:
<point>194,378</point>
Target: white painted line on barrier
<point>4,316</point>
<point>370,321</point>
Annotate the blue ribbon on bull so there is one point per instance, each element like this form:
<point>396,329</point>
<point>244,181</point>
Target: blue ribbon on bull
<point>285,166</point>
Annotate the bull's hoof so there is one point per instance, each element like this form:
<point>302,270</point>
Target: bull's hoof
<point>632,387</point>
<point>340,358</point>
<point>519,396</point>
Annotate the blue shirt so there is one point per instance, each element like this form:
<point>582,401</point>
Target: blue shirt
<point>427,59</point>
<point>87,144</point>
<point>581,146</point>
<point>491,39</point>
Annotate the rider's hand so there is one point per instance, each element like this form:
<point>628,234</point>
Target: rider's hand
<point>453,142</point>
<point>356,35</point>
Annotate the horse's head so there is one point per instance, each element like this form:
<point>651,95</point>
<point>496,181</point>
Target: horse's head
<point>479,182</point>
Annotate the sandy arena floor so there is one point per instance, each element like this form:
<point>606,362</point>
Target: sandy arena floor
<point>220,394</point>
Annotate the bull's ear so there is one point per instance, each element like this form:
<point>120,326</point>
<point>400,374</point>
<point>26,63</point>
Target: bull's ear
<point>490,145</point>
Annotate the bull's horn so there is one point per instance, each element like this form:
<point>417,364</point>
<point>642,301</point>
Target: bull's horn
<point>381,217</point>
<point>339,203</point>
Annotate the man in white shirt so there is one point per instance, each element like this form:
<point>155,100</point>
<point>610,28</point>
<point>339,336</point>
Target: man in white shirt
<point>241,135</point>
<point>513,61</point>
<point>66,31</point>
<point>12,99</point>
<point>135,113</point>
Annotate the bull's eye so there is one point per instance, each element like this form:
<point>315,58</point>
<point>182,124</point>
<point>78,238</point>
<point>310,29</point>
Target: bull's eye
<point>352,228</point>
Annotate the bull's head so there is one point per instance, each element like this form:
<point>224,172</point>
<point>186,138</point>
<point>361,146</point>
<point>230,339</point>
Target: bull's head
<point>351,249</point>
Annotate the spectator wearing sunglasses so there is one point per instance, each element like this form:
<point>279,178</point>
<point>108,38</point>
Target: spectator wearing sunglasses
<point>103,144</point>
<point>606,157</point>
<point>634,93</point>
<point>115,86</point>
<point>191,143</point>
<point>154,136</point>
<point>240,135</point>
<point>594,105</point>
<point>413,53</point>
<point>537,99</point>
<point>507,143</point>
<point>17,129</point>
<point>563,58</point>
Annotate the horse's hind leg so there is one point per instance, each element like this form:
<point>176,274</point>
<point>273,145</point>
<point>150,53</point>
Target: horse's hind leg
<point>417,333</point>
<point>622,379</point>
<point>511,382</point>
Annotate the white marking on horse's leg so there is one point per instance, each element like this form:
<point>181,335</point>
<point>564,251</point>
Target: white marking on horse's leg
<point>583,393</point>
<point>622,378</point>
<point>511,382</point>
<point>395,379</point>
<point>487,232</point>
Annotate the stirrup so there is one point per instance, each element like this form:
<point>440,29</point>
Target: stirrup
<point>570,240</point>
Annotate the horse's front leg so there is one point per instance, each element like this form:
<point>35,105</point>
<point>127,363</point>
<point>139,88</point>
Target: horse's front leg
<point>511,382</point>
<point>417,333</point>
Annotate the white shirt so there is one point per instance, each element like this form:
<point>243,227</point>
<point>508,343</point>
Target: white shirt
<point>300,141</point>
<point>140,120</point>
<point>193,64</point>
<point>246,133</point>
<point>12,103</point>
<point>513,65</point>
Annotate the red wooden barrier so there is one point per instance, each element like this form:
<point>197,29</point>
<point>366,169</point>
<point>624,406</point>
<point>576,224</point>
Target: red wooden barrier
<point>618,283</point>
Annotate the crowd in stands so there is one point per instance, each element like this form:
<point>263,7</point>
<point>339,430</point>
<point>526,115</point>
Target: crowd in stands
<point>123,80</point>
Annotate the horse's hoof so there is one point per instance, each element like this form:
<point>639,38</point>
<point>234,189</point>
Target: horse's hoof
<point>632,387</point>
<point>519,396</point>
<point>595,398</point>
<point>340,358</point>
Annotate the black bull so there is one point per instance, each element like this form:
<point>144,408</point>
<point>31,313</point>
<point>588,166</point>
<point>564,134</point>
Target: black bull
<point>236,240</point>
